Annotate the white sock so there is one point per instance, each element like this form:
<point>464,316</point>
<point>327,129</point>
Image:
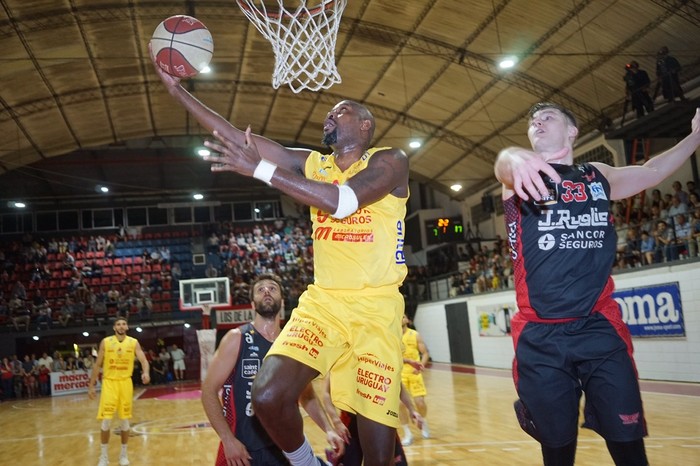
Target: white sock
<point>302,456</point>
<point>123,449</point>
<point>103,447</point>
<point>406,430</point>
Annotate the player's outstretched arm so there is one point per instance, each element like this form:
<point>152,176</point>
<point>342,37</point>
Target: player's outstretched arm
<point>387,173</point>
<point>212,121</point>
<point>628,181</point>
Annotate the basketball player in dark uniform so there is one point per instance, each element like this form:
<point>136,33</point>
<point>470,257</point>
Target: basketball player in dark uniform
<point>232,370</point>
<point>568,335</point>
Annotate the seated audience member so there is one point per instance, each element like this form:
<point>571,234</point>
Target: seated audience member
<point>664,239</point>
<point>67,312</point>
<point>19,313</point>
<point>88,360</point>
<point>42,310</point>
<point>694,241</point>
<point>677,207</point>
<point>58,364</point>
<point>72,364</point>
<point>19,291</point>
<point>144,302</point>
<point>647,247</point>
<point>158,375</point>
<point>683,235</point>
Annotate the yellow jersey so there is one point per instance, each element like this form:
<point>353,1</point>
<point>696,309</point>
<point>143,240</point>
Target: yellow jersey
<point>365,249</point>
<point>118,362</point>
<point>409,341</point>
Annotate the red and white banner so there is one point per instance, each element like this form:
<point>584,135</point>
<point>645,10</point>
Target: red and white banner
<point>69,382</point>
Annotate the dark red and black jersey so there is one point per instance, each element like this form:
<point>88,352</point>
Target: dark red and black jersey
<point>236,393</point>
<point>556,244</point>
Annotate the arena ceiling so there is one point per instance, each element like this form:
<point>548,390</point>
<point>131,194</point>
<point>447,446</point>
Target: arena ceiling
<point>80,104</point>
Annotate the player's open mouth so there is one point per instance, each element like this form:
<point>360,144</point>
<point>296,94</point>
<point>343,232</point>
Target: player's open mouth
<point>328,126</point>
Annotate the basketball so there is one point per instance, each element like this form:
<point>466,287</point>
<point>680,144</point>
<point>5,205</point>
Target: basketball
<point>182,46</point>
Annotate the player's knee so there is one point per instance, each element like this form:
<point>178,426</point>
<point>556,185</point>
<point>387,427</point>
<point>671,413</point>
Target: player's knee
<point>125,425</point>
<point>105,424</point>
<point>267,398</point>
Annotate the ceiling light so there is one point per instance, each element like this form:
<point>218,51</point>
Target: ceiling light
<point>508,62</point>
<point>203,152</point>
<point>139,329</point>
<point>198,197</point>
<point>456,187</point>
<point>187,325</point>
<point>86,334</point>
<point>35,338</point>
<point>18,205</point>
<point>104,189</point>
<point>414,144</point>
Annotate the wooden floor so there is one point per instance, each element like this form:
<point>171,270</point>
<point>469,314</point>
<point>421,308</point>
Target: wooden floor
<point>470,417</point>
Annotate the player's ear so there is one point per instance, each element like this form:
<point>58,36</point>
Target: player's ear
<point>366,125</point>
<point>572,131</point>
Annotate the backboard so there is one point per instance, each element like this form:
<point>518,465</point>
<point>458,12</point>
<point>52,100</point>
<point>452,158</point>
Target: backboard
<point>197,292</point>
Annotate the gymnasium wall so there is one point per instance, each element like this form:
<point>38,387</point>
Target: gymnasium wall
<point>673,359</point>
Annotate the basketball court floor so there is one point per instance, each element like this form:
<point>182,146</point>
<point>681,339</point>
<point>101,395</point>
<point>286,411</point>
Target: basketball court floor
<point>470,416</point>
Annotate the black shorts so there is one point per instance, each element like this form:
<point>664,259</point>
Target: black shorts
<point>555,363</point>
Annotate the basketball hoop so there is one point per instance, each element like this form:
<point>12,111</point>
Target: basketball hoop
<point>303,40</point>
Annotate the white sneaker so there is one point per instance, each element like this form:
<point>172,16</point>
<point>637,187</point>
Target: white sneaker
<point>104,461</point>
<point>425,431</point>
<point>407,440</point>
<point>123,460</point>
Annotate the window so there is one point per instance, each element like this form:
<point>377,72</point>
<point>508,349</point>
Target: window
<point>9,223</point>
<point>222,213</point>
<point>265,210</point>
<point>182,214</point>
<point>137,216</point>
<point>242,211</point>
<point>102,218</point>
<point>46,221</point>
<point>68,220</point>
<point>157,216</point>
<point>201,214</point>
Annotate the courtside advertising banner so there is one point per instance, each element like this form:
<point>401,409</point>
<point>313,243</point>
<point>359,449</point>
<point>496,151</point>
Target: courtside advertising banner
<point>652,311</point>
<point>70,382</point>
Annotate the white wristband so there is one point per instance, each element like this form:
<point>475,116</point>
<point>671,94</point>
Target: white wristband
<point>264,171</point>
<point>347,202</point>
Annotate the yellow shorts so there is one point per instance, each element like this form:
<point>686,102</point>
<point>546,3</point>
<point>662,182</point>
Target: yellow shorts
<point>116,396</point>
<point>357,337</point>
<point>413,382</point>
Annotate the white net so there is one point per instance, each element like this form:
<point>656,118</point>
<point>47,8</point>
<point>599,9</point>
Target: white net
<point>303,40</point>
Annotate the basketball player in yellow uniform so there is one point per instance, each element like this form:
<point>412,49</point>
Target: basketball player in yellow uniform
<point>415,357</point>
<point>349,321</point>
<point>116,359</point>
